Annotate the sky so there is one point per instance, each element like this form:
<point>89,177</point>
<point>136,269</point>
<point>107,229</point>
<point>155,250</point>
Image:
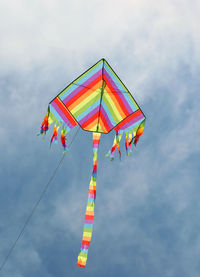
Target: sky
<point>147,208</point>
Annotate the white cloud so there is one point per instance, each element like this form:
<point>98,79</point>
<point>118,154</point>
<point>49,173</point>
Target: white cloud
<point>142,33</point>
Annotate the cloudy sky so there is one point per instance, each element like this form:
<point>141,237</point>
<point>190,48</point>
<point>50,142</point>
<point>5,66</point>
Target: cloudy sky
<point>147,210</point>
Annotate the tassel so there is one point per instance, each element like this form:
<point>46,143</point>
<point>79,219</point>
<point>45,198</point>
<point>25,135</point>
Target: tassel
<point>45,123</point>
<point>115,145</point>
<point>118,138</point>
<point>126,145</point>
<point>55,135</point>
<point>89,215</point>
<point>63,139</point>
<point>130,139</point>
<point>139,132</point>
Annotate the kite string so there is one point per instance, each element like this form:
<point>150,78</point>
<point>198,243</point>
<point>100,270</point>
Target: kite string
<point>36,205</point>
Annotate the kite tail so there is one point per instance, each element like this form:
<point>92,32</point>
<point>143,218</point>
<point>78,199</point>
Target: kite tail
<point>114,146</point>
<point>89,215</point>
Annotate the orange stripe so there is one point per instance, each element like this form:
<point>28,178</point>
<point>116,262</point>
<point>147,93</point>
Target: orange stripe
<point>90,121</point>
<point>102,118</point>
<point>115,102</point>
<point>92,191</point>
<point>91,126</point>
<point>81,264</point>
<point>114,93</point>
<point>90,212</point>
<point>81,92</point>
<point>84,96</point>
<point>102,126</point>
<point>86,239</point>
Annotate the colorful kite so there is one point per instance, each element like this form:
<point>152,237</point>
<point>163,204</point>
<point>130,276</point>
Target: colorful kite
<point>98,102</point>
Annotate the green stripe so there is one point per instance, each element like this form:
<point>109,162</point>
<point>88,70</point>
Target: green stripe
<point>90,207</point>
<point>87,230</point>
<point>53,118</point>
<point>86,106</point>
<point>110,109</point>
<point>84,255</point>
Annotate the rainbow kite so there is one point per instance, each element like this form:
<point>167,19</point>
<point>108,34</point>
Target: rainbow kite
<point>98,102</point>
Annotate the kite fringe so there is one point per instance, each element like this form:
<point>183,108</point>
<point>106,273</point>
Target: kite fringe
<point>131,138</point>
<point>63,139</point>
<point>55,135</point>
<point>115,145</point>
<point>45,123</point>
<point>44,129</point>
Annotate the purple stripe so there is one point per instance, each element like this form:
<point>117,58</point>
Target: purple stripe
<point>89,221</point>
<point>106,117</point>
<point>61,114</point>
<point>134,120</point>
<point>90,195</point>
<point>89,115</point>
<point>118,92</point>
<point>95,145</point>
<point>84,246</point>
<point>79,88</point>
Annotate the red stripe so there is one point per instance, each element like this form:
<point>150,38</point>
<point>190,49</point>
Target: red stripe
<point>80,265</point>
<point>127,119</point>
<point>89,217</point>
<point>104,122</point>
<point>117,97</point>
<point>90,120</point>
<point>63,108</point>
<point>92,191</point>
<point>85,242</point>
<point>81,92</point>
<point>96,141</point>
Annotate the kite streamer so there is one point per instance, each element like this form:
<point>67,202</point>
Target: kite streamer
<point>89,215</point>
<point>114,146</point>
<point>98,102</point>
<point>55,135</point>
<point>63,139</point>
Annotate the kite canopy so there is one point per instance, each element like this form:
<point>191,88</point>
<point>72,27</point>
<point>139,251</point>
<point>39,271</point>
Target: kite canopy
<point>98,102</point>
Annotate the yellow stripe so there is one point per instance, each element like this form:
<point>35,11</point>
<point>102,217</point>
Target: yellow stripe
<point>94,95</point>
<point>115,110</point>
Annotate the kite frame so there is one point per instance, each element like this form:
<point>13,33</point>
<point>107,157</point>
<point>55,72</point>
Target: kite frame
<point>103,60</point>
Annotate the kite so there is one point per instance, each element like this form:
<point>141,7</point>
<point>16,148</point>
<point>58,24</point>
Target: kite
<point>98,102</point>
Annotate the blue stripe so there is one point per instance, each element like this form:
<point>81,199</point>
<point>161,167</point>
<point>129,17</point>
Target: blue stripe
<point>91,200</point>
<point>86,225</point>
<point>84,250</point>
<point>57,116</point>
<point>86,112</point>
<point>123,90</point>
